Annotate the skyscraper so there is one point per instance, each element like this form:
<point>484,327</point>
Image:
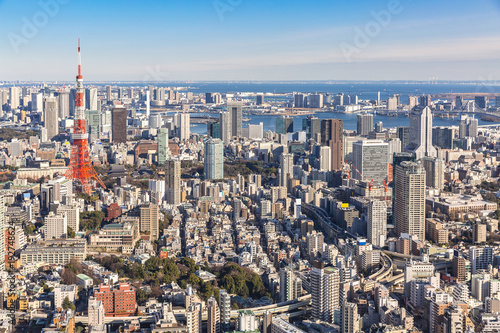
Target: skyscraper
<point>63,103</point>
<point>193,318</point>
<point>332,135</point>
<point>377,222</point>
<point>364,124</point>
<point>51,119</point>
<point>421,134</point>
<point>370,158</point>
<point>312,126</point>
<point>163,149</point>
<point>108,93</point>
<point>213,130</point>
<point>183,122</point>
<point>286,168</point>
<point>119,124</point>
<point>225,127</point>
<point>284,124</point>
<point>235,108</point>
<point>481,101</point>
<point>14,97</point>
<point>213,323</point>
<point>325,294</point>
<point>91,99</point>
<point>409,202</point>
<point>404,136</point>
<point>214,159</point>
<point>173,182</point>
<point>325,159</point>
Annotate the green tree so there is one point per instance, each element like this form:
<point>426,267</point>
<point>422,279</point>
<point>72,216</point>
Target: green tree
<point>67,304</point>
<point>71,233</point>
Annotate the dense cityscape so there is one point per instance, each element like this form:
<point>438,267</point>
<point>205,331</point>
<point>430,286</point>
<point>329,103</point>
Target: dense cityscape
<point>249,166</point>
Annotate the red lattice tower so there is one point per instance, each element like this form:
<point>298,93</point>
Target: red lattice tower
<point>80,167</point>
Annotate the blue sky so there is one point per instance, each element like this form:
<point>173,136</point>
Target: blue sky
<point>250,40</point>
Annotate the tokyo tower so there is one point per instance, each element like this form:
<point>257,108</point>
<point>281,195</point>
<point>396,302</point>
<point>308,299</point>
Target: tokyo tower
<point>80,168</point>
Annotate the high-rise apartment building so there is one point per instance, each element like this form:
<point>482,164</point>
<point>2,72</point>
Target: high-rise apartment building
<point>119,301</point>
<point>350,318</point>
<point>290,285</point>
<point>148,222</point>
<point>56,226</point>
<point>325,294</point>
<point>226,130</point>
<point>364,124</point>
<point>96,313</point>
<point>173,182</point>
<point>182,122</point>
<point>434,172</point>
<point>91,102</point>
<point>409,202</point>
<point>421,134</point>
<point>332,135</point>
<point>193,318</point>
<point>480,258</point>
<point>286,168</point>
<point>119,124</point>
<point>213,322</point>
<point>14,93</point>
<point>225,308</point>
<point>370,158</point>
<point>377,222</point>
<point>214,159</point>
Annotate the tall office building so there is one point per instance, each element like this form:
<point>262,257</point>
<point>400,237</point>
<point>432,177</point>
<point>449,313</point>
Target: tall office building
<point>442,137</point>
<point>284,124</point>
<point>225,309</point>
<point>183,122</point>
<point>14,93</point>
<point>315,101</point>
<point>370,158</point>
<point>91,99</point>
<point>225,127</point>
<point>286,168</point>
<point>459,102</point>
<point>235,108</point>
<point>213,130</point>
<point>377,222</point>
<point>36,102</point>
<point>364,124</point>
<point>119,124</point>
<point>2,233</point>
<point>325,159</point>
<point>259,99</point>
<point>481,102</point>
<point>63,104</point>
<point>312,126</point>
<point>434,172</point>
<point>350,318</point>
<point>214,159</point>
<point>404,135</point>
<point>325,293</point>
<point>163,149</point>
<point>409,202</point>
<point>148,220</point>
<point>108,93</point>
<point>290,285</point>
<point>213,322</point>
<point>173,182</point>
<point>51,119</point>
<point>425,101</point>
<point>421,134</point>
<point>332,135</point>
<point>72,102</point>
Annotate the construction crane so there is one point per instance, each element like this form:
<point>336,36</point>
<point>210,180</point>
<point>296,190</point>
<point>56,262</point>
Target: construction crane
<point>370,182</point>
